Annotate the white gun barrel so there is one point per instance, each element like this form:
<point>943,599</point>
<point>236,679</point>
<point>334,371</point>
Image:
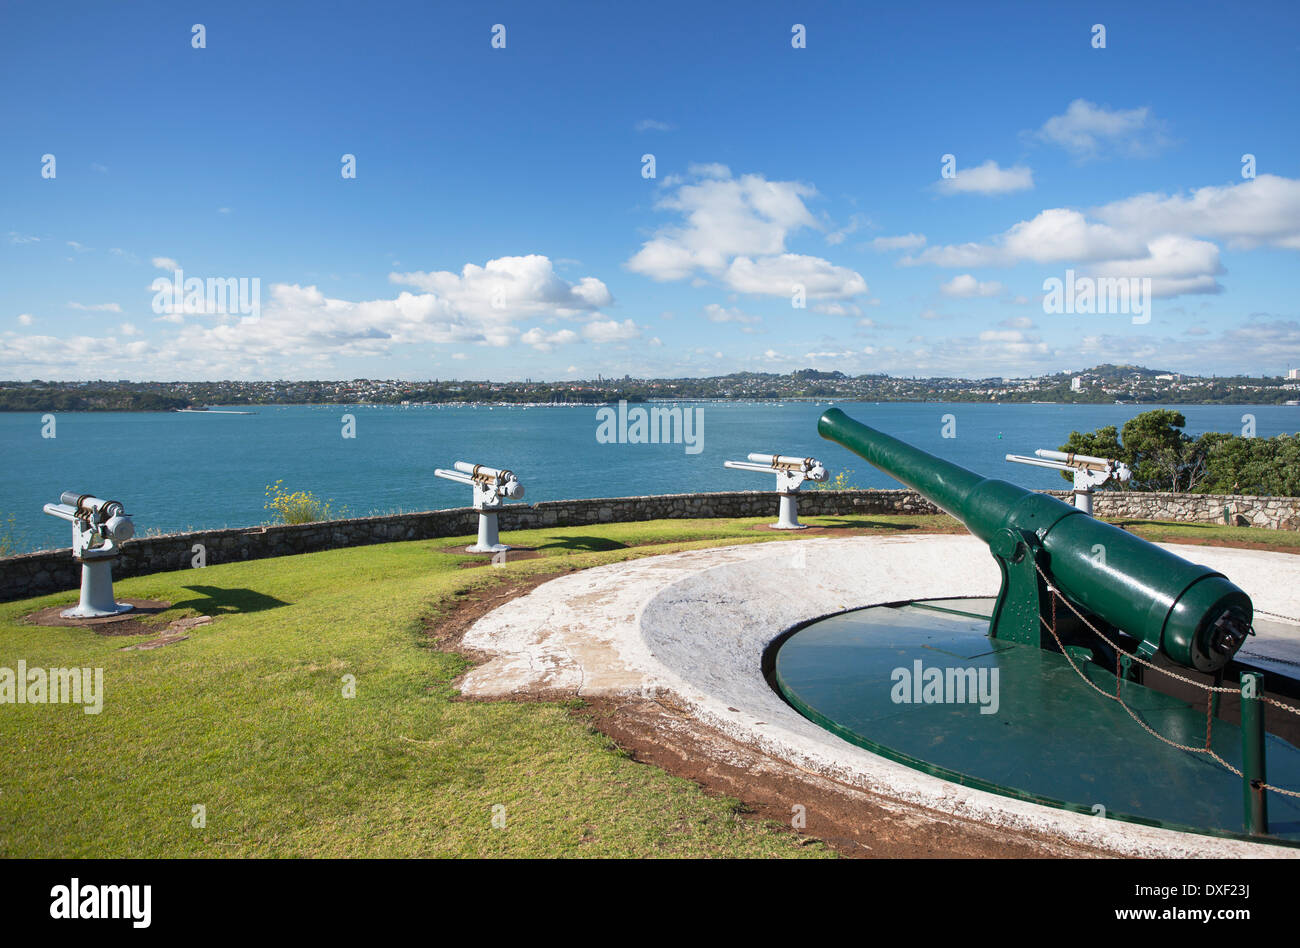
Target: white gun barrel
<point>780,461</point>
<point>1076,460</point>
<point>88,502</point>
<point>1039,462</point>
<point>63,511</point>
<point>456,476</point>
<point>482,470</point>
<point>747,466</point>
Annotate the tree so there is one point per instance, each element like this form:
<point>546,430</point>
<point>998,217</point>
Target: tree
<point>1154,446</point>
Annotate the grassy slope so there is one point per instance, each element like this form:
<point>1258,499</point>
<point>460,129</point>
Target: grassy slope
<point>247,718</point>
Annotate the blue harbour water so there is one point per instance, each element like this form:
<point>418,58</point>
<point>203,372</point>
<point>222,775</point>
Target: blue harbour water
<point>180,471</point>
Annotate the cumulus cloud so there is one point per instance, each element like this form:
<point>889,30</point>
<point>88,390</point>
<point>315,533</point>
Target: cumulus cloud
<point>543,341</point>
<point>653,125</point>
<point>166,263</point>
<point>25,319</point>
<point>97,307</point>
<point>1087,130</point>
<point>987,178</point>
<point>734,230</point>
<point>302,326</point>
<point>505,290</point>
<point>966,286</point>
<point>1149,235</point>
<point>610,330</point>
<point>777,275</point>
<point>721,314</point>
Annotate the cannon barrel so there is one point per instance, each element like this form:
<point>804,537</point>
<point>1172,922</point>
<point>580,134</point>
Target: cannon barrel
<point>1195,615</point>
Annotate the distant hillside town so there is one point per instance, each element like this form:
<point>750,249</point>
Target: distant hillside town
<point>1103,384</point>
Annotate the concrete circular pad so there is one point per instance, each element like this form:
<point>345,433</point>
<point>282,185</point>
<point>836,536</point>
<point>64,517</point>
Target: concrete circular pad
<point>696,625</point>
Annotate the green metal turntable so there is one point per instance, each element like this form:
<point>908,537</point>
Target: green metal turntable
<point>1101,679</point>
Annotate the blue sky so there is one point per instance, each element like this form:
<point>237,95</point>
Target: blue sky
<point>500,225</point>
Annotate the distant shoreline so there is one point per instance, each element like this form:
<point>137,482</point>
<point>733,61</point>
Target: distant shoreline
<point>255,407</point>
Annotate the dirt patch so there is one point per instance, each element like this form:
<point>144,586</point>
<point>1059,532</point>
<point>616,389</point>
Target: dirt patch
<point>175,633</point>
<point>853,822</point>
<point>128,623</point>
<point>496,559</point>
<point>1234,544</point>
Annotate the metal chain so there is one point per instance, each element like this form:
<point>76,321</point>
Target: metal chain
<point>1207,749</point>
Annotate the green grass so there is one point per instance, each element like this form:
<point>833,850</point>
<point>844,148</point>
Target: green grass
<point>1160,532</point>
<point>247,718</point>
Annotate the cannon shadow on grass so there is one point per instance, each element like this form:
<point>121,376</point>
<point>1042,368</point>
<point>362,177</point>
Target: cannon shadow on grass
<point>217,601</point>
<point>582,544</point>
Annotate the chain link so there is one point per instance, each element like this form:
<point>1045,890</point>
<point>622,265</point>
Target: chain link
<point>1117,697</point>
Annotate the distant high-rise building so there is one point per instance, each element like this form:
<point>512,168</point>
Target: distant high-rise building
<point>1293,374</point>
<point>1076,384</point>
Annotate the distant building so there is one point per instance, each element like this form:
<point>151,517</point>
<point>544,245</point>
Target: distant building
<point>1076,384</point>
<point>1293,374</point>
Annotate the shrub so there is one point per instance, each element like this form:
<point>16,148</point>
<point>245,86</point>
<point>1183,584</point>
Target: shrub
<point>297,507</point>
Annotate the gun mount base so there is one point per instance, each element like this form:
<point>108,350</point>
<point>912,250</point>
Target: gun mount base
<point>488,539</point>
<point>97,592</point>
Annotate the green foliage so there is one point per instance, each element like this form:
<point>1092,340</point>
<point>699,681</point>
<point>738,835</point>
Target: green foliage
<point>1164,458</point>
<point>11,540</point>
<point>297,507</point>
<point>839,482</point>
<point>1264,466</point>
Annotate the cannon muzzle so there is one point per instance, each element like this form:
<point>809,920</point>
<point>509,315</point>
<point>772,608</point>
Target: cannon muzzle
<point>1192,613</point>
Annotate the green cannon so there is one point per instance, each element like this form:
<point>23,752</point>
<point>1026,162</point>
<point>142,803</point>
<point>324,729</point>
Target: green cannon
<point>1190,613</point>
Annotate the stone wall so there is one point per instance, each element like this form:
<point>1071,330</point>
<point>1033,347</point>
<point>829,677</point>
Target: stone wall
<point>33,574</point>
<point>1273,513</point>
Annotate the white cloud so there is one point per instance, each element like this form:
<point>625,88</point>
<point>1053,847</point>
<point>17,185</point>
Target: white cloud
<point>653,125</point>
<point>838,309</point>
<point>610,330</point>
<point>1176,265</point>
<point>97,307</point>
<point>25,319</point>
<point>1148,235</point>
<point>966,286</point>
<point>711,169</point>
<point>543,341</point>
<point>987,178</point>
<point>505,290</point>
<point>1087,130</point>
<point>303,327</point>
<point>902,242</point>
<point>459,356</point>
<point>166,263</point>
<point>720,314</point>
<point>734,230</point>
<point>1263,210</point>
<point>777,276</point>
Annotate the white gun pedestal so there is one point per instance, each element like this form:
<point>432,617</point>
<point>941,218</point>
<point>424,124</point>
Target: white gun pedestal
<point>96,591</point>
<point>488,540</point>
<point>788,515</point>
